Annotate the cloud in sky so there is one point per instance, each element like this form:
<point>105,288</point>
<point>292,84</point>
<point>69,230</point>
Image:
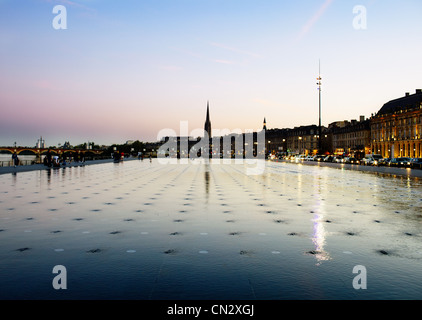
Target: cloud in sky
<point>311,22</point>
<point>72,4</point>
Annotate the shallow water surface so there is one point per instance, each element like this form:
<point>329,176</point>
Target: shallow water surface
<point>141,230</point>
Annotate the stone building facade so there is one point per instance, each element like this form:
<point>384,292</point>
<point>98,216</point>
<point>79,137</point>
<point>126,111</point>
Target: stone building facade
<point>396,130</point>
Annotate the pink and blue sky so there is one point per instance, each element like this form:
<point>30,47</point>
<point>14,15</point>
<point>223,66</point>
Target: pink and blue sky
<point>124,70</point>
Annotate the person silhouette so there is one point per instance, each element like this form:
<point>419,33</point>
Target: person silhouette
<point>48,157</point>
<point>15,159</point>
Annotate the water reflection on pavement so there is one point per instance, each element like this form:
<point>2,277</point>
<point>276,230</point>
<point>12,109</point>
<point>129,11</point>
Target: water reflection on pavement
<point>141,230</point>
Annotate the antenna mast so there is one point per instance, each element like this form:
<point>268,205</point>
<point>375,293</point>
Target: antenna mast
<point>319,83</point>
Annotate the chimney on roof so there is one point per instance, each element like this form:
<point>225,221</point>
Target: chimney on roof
<point>407,94</point>
<point>418,91</point>
<point>362,118</point>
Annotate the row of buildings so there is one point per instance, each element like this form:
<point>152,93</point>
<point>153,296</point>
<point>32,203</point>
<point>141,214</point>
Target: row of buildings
<point>394,131</point>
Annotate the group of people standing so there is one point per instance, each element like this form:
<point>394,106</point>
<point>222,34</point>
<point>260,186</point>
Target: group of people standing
<point>53,160</point>
<point>141,156</point>
<point>56,161</point>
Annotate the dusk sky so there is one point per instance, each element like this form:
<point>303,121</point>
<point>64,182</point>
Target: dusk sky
<point>124,70</point>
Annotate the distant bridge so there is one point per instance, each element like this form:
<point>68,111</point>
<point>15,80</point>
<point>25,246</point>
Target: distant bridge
<point>40,151</point>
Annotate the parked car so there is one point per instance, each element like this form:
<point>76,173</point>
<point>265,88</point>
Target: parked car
<point>309,158</point>
<point>404,162</point>
<point>338,159</point>
<point>366,161</point>
<point>351,160</point>
<point>319,158</point>
<point>393,162</point>
<point>376,159</point>
<point>328,158</point>
<point>384,162</point>
<point>400,162</point>
<point>416,163</point>
<point>371,159</point>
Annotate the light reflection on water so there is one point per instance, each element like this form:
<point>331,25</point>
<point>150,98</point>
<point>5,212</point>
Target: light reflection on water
<point>209,231</point>
<point>319,233</point>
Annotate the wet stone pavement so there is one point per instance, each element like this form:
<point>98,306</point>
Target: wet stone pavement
<point>141,230</point>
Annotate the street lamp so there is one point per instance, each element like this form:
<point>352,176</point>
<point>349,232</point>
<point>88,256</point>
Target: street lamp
<point>300,145</point>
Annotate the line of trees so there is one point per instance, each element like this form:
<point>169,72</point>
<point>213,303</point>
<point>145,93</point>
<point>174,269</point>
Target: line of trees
<point>127,149</point>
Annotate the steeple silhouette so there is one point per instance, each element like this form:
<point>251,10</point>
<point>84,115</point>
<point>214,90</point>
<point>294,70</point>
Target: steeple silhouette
<point>207,126</point>
<point>265,125</point>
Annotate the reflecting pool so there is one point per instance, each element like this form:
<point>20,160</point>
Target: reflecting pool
<point>141,230</point>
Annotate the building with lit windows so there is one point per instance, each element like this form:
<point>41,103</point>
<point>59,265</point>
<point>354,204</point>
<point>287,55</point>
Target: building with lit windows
<point>396,130</point>
<point>351,137</point>
<point>299,140</point>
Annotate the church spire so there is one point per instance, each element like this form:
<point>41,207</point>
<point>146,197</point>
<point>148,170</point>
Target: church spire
<point>207,126</point>
<point>265,125</point>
